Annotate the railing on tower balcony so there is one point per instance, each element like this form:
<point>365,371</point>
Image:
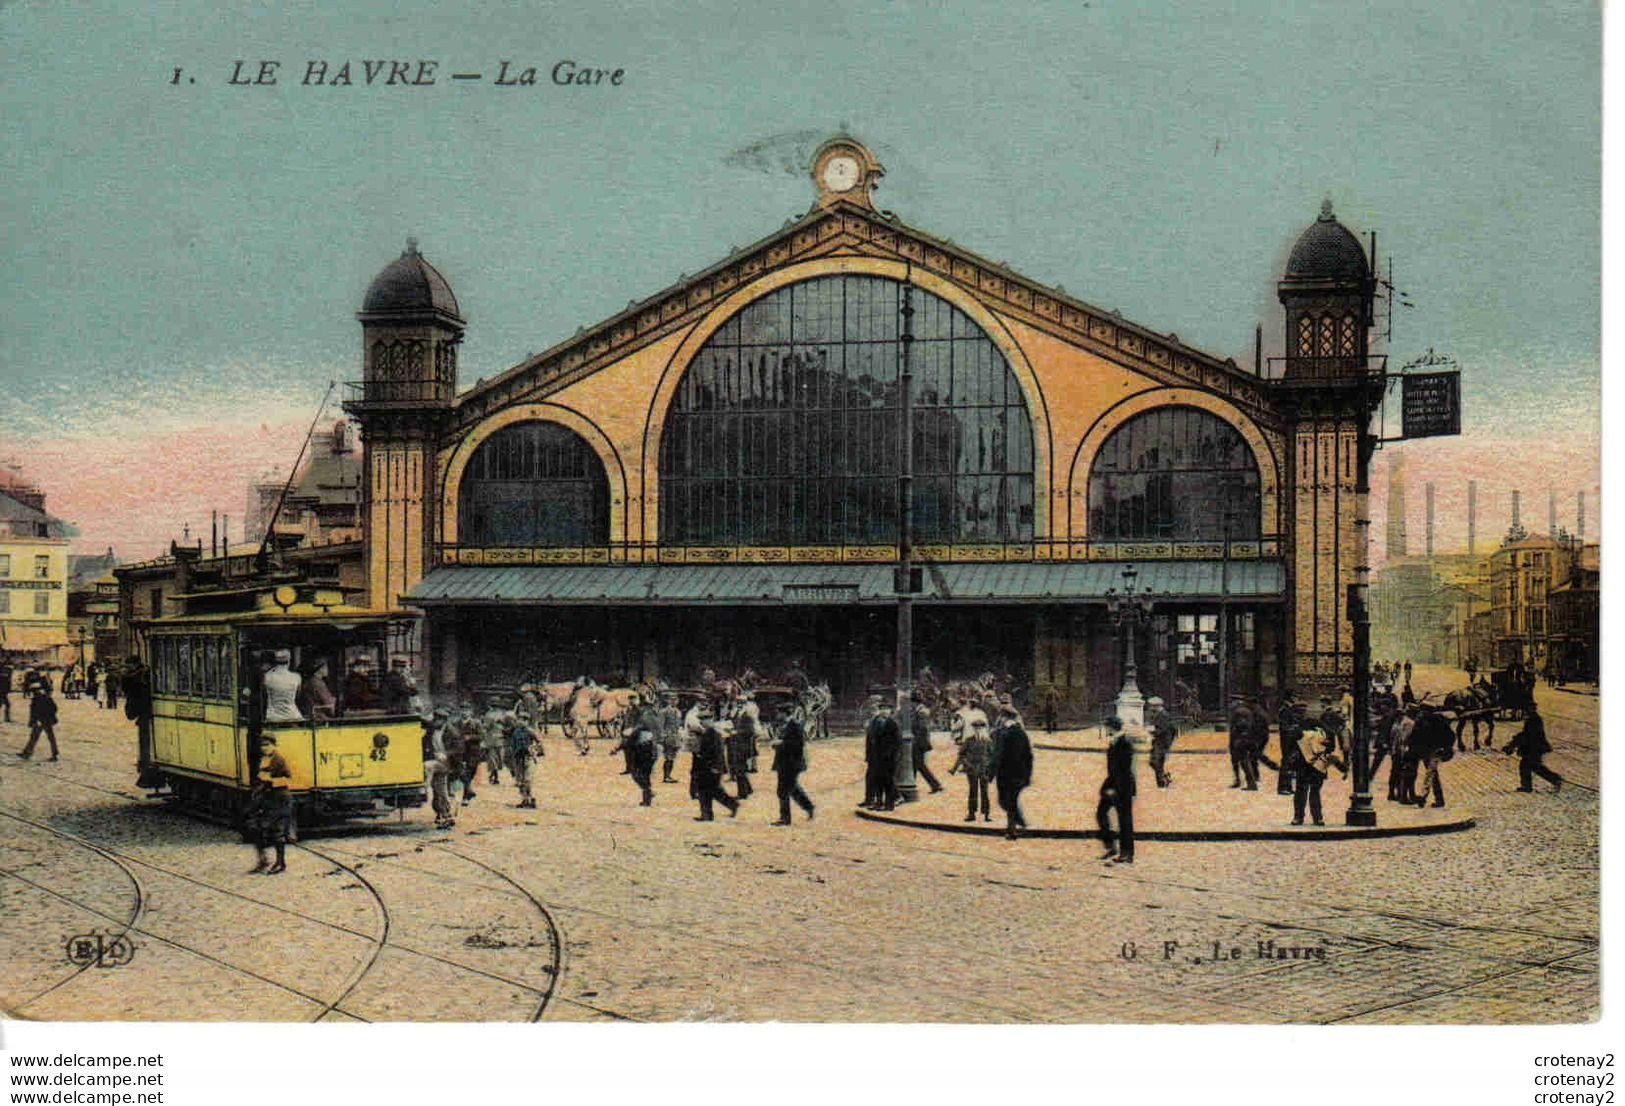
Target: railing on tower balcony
<point>1296,369</point>
<point>375,392</point>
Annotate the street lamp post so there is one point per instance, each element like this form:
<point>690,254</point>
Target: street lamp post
<point>1129,608</point>
<point>907,788</point>
<point>1361,812</point>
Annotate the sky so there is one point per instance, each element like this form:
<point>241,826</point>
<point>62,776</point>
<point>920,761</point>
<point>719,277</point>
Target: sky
<point>183,257</point>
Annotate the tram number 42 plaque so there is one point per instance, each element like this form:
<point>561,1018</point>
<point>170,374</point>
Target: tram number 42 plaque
<point>1430,404</point>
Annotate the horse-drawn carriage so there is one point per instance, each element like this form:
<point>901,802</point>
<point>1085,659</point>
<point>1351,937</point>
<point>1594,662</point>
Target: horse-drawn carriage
<point>1514,693</point>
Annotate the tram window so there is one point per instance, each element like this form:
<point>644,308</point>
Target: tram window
<point>199,687</point>
<point>222,649</point>
<point>183,666</point>
<point>211,684</point>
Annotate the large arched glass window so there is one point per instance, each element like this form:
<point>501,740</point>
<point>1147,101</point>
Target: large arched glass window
<point>783,430</point>
<point>1174,474</point>
<point>533,484</point>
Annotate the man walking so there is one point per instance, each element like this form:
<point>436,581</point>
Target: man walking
<point>920,726</point>
<point>1243,769</point>
<point>1163,733</point>
<point>1317,751</point>
<point>1432,744</point>
<point>638,742</point>
<point>975,757</point>
<point>706,774</point>
<point>881,741</point>
<point>437,771</point>
<point>136,684</point>
<point>670,725</point>
<point>5,689</point>
<point>789,761</point>
<point>1117,793</point>
<point>1531,746</point>
<point>41,719</point>
<point>742,744</point>
<point>1012,768</point>
<point>523,748</point>
<point>493,743</point>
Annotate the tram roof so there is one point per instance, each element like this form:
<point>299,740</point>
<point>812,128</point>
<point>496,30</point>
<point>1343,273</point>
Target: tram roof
<point>789,585</point>
<point>293,616</point>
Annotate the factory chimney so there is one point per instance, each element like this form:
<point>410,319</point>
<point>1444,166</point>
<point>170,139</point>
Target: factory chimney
<point>1430,519</point>
<point>1580,514</point>
<point>1472,517</point>
<point>1551,513</point>
<point>1396,507</point>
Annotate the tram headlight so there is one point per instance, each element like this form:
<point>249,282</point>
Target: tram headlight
<point>380,741</point>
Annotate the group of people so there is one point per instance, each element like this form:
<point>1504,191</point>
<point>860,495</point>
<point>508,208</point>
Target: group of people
<point>38,690</point>
<point>307,695</point>
<point>456,744</point>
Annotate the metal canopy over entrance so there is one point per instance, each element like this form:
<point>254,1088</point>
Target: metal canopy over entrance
<point>807,585</point>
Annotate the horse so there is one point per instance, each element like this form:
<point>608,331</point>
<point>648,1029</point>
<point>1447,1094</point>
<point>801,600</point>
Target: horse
<point>581,713</point>
<point>813,704</point>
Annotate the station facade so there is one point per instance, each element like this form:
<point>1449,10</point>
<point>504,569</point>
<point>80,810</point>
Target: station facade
<point>710,478</point>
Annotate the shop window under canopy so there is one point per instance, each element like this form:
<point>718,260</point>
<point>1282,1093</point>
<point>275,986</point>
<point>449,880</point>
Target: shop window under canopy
<point>1174,474</point>
<point>784,428</point>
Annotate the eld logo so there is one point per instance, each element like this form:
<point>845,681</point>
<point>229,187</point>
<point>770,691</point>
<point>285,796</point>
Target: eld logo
<point>100,950</point>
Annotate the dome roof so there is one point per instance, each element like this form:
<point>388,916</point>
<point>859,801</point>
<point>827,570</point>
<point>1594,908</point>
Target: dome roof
<point>1327,251</point>
<point>409,283</point>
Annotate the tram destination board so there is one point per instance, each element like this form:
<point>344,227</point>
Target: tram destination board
<point>1430,404</point>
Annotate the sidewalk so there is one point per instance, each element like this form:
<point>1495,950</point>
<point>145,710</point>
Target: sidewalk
<point>1199,805</point>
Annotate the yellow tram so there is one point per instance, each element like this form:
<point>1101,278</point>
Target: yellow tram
<point>360,758</point>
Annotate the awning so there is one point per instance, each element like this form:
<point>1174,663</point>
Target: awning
<point>797,585</point>
<point>23,637</point>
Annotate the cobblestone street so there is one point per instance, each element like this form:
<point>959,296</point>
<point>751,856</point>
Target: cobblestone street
<point>593,908</point>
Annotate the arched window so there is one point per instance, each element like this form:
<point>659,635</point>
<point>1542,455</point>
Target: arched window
<point>533,484</point>
<point>1174,474</point>
<point>783,430</point>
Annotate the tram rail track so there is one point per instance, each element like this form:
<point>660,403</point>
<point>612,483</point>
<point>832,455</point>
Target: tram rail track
<point>378,941</point>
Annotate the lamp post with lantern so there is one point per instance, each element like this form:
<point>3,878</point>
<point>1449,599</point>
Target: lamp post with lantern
<point>1130,608</point>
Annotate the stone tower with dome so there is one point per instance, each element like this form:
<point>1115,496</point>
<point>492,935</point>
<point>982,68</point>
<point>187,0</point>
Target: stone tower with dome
<point>1327,389</point>
<point>410,330</point>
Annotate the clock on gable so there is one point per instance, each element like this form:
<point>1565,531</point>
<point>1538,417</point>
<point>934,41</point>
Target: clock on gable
<point>843,169</point>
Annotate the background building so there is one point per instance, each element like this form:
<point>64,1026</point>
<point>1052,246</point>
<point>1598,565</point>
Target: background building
<point>33,576</point>
<point>710,477</point>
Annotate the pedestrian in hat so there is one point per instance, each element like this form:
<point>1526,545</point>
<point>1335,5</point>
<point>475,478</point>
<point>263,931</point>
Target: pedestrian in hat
<point>399,688</point>
<point>42,716</point>
<point>920,727</point>
<point>1163,733</point>
<point>1243,769</point>
<point>437,771</point>
<point>706,767</point>
<point>670,723</point>
<point>523,750</point>
<point>1334,722</point>
<point>1531,746</point>
<point>271,810</point>
<point>747,722</point>
<point>881,741</point>
<point>789,762</point>
<point>1012,768</point>
<point>1117,794</point>
<point>975,757</point>
<point>1289,726</point>
<point>1317,752</point>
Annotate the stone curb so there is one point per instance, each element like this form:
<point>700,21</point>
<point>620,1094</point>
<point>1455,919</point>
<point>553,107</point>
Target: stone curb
<point>1283,833</point>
